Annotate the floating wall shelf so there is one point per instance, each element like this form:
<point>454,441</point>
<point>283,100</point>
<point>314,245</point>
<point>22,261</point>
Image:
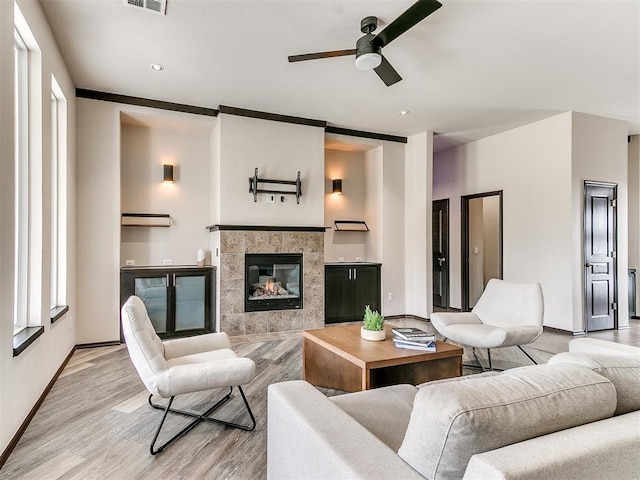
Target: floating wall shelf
<point>351,226</point>
<point>253,186</point>
<point>145,220</point>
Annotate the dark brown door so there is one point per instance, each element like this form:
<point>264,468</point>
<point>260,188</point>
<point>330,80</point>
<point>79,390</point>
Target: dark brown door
<point>600,253</point>
<point>440,231</point>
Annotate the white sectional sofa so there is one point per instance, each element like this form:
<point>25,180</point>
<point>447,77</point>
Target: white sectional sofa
<point>577,417</point>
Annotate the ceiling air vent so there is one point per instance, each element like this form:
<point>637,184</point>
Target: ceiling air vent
<point>156,6</point>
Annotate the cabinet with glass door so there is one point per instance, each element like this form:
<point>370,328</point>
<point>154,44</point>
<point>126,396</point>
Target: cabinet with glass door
<point>179,300</point>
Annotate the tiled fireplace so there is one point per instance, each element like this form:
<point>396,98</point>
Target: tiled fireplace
<point>233,243</point>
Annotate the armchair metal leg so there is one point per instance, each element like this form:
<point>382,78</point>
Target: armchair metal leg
<point>198,418</point>
<point>480,366</point>
<point>529,356</point>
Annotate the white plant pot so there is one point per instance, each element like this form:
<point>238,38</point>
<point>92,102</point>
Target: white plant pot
<point>373,335</point>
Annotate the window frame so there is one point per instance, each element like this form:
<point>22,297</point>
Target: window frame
<point>58,211</point>
<point>28,186</point>
<point>21,184</point>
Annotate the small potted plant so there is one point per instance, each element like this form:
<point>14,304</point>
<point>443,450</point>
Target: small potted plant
<point>373,326</point>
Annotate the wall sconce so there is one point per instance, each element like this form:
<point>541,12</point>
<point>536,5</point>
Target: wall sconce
<point>337,186</point>
<point>168,173</point>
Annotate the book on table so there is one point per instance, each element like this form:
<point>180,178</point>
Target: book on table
<point>411,345</point>
<point>416,342</point>
<point>411,333</point>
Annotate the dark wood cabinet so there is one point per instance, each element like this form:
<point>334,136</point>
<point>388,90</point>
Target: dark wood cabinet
<point>349,288</point>
<point>180,301</point>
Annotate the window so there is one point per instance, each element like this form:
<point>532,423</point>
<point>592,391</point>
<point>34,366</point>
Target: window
<point>28,200</point>
<point>58,197</point>
<point>21,183</point>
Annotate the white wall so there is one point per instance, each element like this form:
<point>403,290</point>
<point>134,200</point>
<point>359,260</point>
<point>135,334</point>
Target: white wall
<point>39,362</point>
<point>393,228</point>
<point>418,186</point>
<point>143,152</point>
<point>214,144</point>
<point>476,250</point>
<point>634,210</point>
<point>98,207</point>
<point>373,203</point>
<point>279,150</point>
<point>491,238</point>
<point>348,166</point>
<point>599,153</point>
<point>532,165</point>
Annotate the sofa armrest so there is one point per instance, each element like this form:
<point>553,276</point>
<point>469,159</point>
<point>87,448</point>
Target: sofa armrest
<point>604,449</point>
<point>310,437</point>
<point>594,345</point>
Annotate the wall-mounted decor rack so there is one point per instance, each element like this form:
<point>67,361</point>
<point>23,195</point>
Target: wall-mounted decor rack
<point>253,186</point>
<point>351,226</point>
<point>145,220</point>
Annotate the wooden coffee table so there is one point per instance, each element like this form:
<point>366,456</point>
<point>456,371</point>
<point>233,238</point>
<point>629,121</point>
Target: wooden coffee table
<point>336,357</point>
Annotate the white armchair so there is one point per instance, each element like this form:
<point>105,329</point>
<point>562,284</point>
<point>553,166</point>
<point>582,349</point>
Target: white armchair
<point>183,365</point>
<point>507,314</point>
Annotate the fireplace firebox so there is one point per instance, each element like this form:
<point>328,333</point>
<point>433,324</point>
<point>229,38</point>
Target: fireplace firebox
<point>272,282</point>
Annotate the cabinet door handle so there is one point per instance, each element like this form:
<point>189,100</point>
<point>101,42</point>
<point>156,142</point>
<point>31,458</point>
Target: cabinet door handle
<point>355,276</point>
<point>349,274</point>
<point>174,279</point>
<point>168,280</point>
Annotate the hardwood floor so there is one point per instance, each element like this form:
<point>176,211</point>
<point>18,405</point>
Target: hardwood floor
<point>95,422</point>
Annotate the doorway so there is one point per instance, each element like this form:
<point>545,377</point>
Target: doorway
<point>600,256</point>
<point>481,244</point>
<point>440,247</point>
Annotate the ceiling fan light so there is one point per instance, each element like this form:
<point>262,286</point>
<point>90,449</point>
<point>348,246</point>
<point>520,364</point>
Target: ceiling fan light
<point>368,61</point>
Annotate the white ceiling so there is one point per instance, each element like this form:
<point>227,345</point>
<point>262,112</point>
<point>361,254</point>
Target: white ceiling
<point>471,69</point>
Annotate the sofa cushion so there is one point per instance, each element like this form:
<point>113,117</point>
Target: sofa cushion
<point>450,422</point>
<point>594,345</point>
<point>622,371</point>
<point>383,411</point>
<point>595,450</point>
<point>475,376</point>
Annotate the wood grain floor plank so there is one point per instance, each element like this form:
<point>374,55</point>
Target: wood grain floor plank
<point>55,468</point>
<point>77,367</point>
<point>133,403</point>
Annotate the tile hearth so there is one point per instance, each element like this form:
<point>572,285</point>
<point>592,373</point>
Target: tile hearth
<point>232,246</point>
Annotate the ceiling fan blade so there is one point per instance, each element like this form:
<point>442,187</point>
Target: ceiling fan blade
<point>315,56</point>
<point>412,16</point>
<point>387,73</point>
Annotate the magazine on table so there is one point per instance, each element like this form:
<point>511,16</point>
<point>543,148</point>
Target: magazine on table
<point>427,347</point>
<point>417,343</point>
<point>411,333</point>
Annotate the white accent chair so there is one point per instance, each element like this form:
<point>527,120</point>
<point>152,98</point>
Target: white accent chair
<point>183,365</point>
<point>507,314</point>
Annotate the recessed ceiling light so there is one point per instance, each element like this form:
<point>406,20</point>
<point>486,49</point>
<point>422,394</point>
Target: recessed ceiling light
<point>403,112</point>
<point>157,67</point>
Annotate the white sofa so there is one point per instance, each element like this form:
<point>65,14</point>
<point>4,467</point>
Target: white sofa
<point>577,417</point>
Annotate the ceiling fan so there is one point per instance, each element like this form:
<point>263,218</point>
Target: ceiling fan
<point>369,47</point>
